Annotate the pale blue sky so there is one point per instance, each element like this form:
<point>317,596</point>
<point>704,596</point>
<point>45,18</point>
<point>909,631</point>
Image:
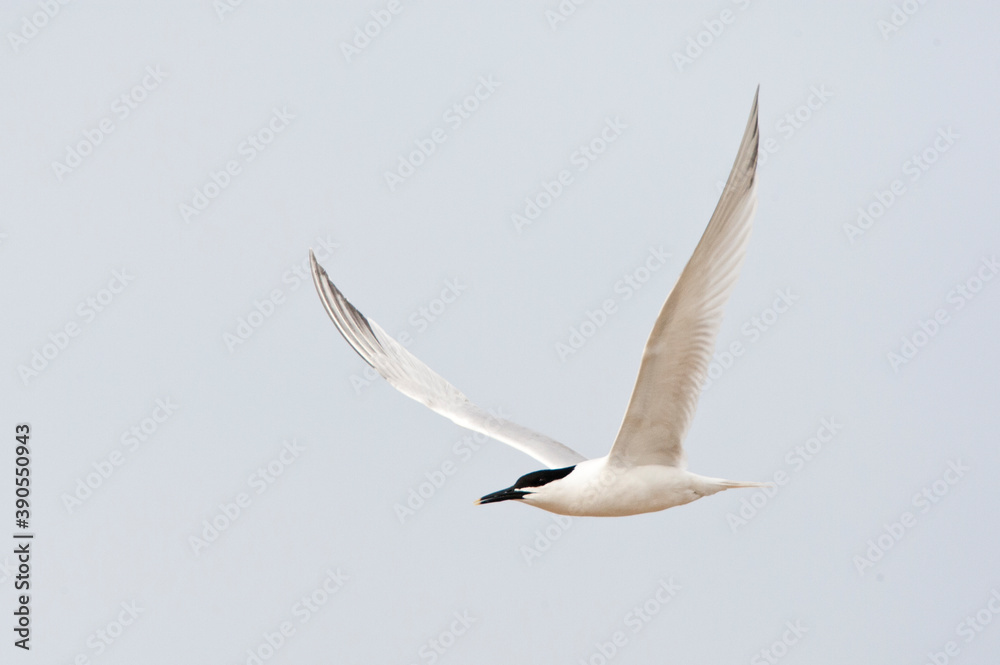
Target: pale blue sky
<point>168,167</point>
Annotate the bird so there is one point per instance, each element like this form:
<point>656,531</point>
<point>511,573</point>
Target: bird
<point>645,470</point>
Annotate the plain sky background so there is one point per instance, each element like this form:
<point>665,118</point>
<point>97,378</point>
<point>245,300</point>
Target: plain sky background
<point>847,100</point>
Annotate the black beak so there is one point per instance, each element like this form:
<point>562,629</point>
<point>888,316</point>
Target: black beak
<point>503,495</point>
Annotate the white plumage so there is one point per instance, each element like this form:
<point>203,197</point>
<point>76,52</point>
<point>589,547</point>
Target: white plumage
<point>645,469</point>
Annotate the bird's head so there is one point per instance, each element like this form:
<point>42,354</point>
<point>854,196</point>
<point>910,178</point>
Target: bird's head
<point>527,485</point>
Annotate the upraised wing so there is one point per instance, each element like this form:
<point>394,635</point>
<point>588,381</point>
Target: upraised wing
<point>675,360</point>
<point>418,381</point>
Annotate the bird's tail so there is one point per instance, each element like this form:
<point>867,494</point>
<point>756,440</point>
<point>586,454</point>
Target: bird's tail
<point>735,484</point>
<point>709,486</point>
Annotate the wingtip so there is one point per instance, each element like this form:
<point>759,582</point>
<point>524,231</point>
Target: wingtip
<point>319,278</point>
<point>753,128</point>
<point>317,270</point>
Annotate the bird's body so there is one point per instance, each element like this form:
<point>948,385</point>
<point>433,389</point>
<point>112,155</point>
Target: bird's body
<point>598,488</point>
<point>645,469</point>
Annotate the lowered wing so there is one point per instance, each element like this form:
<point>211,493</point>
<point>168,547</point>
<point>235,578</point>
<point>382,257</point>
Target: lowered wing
<point>416,380</point>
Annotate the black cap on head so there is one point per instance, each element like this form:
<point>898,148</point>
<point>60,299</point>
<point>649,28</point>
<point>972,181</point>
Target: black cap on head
<point>526,482</point>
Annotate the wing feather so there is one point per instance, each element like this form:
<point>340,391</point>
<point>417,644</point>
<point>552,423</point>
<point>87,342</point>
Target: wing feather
<point>677,354</point>
<point>416,380</point>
